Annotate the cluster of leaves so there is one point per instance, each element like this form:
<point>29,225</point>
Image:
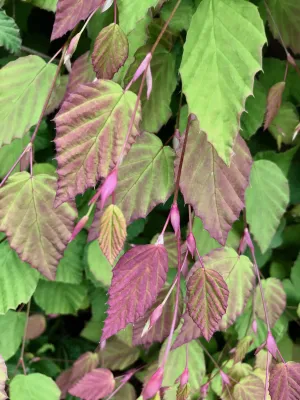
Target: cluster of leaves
<point>149,199</point>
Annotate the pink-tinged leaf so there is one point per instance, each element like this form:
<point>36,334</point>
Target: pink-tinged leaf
<point>91,129</point>
<point>112,232</point>
<point>249,388</point>
<point>110,51</point>
<point>82,72</point>
<point>36,326</point>
<point>188,332</point>
<point>273,102</point>
<point>216,191</point>
<point>36,230</point>
<point>207,294</point>
<point>161,328</point>
<point>285,381</point>
<point>58,94</point>
<point>275,300</point>
<point>3,379</point>
<point>94,385</point>
<point>137,279</point>
<point>70,12</point>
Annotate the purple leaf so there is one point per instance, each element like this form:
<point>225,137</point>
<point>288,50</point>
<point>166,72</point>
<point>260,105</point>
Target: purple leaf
<point>285,381</point>
<point>273,102</point>
<point>82,72</point>
<point>207,295</point>
<point>91,129</point>
<point>70,12</point>
<point>215,191</point>
<point>94,385</point>
<point>137,279</point>
<point>188,332</point>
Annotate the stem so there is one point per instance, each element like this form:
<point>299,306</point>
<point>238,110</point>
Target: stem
<point>21,360</point>
<point>115,11</point>
<point>190,219</point>
<point>35,52</point>
<point>31,160</point>
<point>286,70</point>
<point>165,226</point>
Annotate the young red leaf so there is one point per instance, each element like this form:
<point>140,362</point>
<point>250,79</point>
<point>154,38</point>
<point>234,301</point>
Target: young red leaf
<point>137,279</point>
<point>188,332</point>
<point>215,191</point>
<point>249,388</point>
<point>3,378</point>
<point>207,295</point>
<point>285,381</point>
<point>112,232</point>
<point>82,72</point>
<point>91,129</point>
<point>94,385</point>
<point>36,326</point>
<point>36,230</point>
<point>273,102</point>
<point>70,12</point>
<point>110,51</point>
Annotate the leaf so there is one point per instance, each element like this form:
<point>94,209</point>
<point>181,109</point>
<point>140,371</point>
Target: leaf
<point>38,232</point>
<point>17,280</point>
<point>242,348</point>
<point>285,19</point>
<point>24,85</point>
<point>170,244</point>
<point>215,191</point>
<point>249,388</point>
<point>58,94</point>
<point>82,72</point>
<point>49,5</point>
<point>10,153</point>
<point>132,11</point>
<point>9,33</point>
<point>99,268</point>
<point>182,17</point>
<point>161,329</point>
<point>33,387</point>
<point>284,124</point>
<point>274,100</point>
<point>207,295</point>
<point>3,379</point>
<point>228,81</point>
<point>188,332</point>
<point>112,234</point>
<point>36,326</point>
<point>12,326</point>
<point>97,383</point>
<point>155,111</point>
<point>69,13</point>
<point>118,355</point>
<point>145,179</point>
<point>285,381</point>
<point>103,110</point>
<point>275,300</point>
<point>110,51</point>
<point>137,279</point>
<point>59,298</point>
<point>126,392</point>
<point>269,185</point>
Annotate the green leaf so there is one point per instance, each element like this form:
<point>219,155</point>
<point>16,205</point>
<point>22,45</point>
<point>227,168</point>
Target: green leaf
<point>33,387</point>
<point>205,243</point>
<point>182,17</point>
<point>24,85</point>
<point>35,229</point>
<point>228,81</point>
<point>98,266</point>
<point>269,185</point>
<point>18,280</point>
<point>171,247</point>
<point>9,33</point>
<point>249,388</point>
<point>118,355</point>
<point>59,298</point>
<point>155,111</point>
<point>58,94</point>
<point>284,22</point>
<point>284,124</point>
<point>132,11</point>
<point>49,5</point>
<point>10,153</point>
<point>12,326</point>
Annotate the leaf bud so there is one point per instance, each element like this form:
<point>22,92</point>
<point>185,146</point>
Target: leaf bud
<point>175,218</point>
<point>254,326</point>
<point>153,386</point>
<point>79,226</point>
<point>155,315</point>
<point>271,345</point>
<point>191,243</point>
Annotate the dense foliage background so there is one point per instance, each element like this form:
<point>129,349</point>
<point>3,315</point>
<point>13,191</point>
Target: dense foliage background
<point>210,56</point>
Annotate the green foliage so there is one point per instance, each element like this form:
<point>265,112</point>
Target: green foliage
<point>34,387</point>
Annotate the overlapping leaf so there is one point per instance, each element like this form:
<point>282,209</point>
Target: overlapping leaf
<point>285,381</point>
<point>96,384</point>
<point>3,378</point>
<point>249,388</point>
<point>10,153</point>
<point>36,326</point>
<point>36,230</point>
<point>112,232</point>
<point>207,298</point>
<point>24,387</point>
<point>49,5</point>
<point>275,298</point>
<point>188,332</point>
<point>284,124</point>
<point>228,81</point>
<point>273,102</point>
<point>137,279</point>
<point>242,348</point>
<point>17,280</point>
<point>24,85</point>
<point>91,129</point>
<point>58,94</point>
<point>9,33</point>
<point>132,11</point>
<point>119,355</point>
<point>170,244</point>
<point>215,190</point>
<point>12,326</point>
<point>110,51</point>
<point>82,72</point>
<point>69,13</point>
<point>98,268</point>
<point>269,185</point>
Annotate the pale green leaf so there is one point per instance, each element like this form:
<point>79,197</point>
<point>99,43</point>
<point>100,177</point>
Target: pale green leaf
<point>249,388</point>
<point>33,387</point>
<point>12,326</point>
<point>24,85</point>
<point>10,153</point>
<point>269,185</point>
<point>44,168</point>
<point>49,5</point>
<point>9,33</point>
<point>18,280</point>
<point>225,73</point>
<point>182,17</point>
<point>132,11</point>
<point>98,267</point>
<point>284,124</point>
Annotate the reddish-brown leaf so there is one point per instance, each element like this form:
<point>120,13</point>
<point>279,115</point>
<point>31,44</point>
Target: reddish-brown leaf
<point>94,385</point>
<point>188,332</point>
<point>207,298</point>
<point>137,279</point>
<point>82,72</point>
<point>273,102</point>
<point>36,326</point>
<point>285,381</point>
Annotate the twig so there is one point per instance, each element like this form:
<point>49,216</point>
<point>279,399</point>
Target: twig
<point>35,52</point>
